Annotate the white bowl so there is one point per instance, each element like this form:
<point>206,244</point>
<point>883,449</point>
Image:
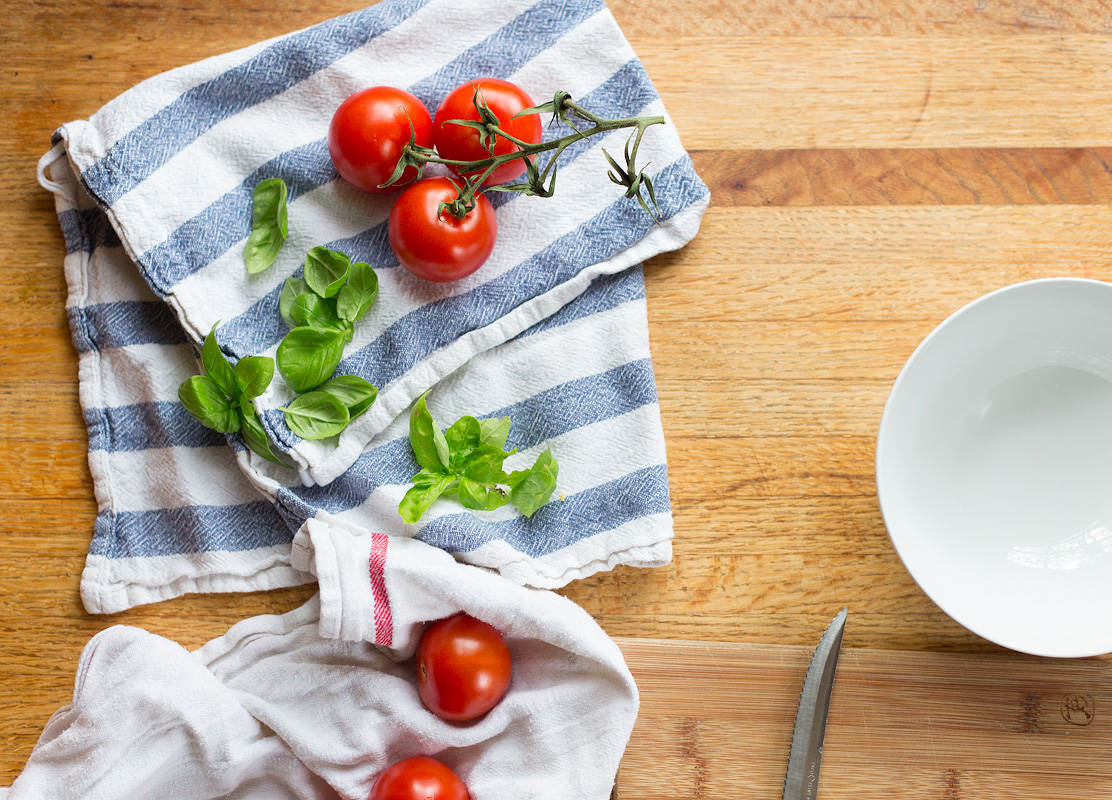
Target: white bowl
<point>994,466</point>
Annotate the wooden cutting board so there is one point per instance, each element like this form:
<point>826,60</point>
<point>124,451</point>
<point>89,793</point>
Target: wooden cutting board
<point>716,722</point>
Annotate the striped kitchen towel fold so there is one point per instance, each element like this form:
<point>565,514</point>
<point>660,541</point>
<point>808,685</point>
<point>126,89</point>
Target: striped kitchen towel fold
<point>154,194</point>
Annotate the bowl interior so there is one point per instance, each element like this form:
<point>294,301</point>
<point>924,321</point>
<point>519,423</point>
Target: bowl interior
<point>994,466</point>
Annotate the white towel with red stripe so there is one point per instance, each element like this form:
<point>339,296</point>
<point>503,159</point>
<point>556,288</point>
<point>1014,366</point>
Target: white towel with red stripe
<point>317,702</point>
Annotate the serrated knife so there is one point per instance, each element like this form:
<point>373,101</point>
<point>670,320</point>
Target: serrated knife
<point>805,757</point>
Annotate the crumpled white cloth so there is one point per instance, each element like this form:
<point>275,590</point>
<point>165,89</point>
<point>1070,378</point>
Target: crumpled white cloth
<point>306,705</point>
<point>153,193</point>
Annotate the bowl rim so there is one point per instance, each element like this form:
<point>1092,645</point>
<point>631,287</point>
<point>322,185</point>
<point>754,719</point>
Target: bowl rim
<point>1105,645</point>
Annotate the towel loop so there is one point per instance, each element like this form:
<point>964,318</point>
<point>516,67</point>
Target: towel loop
<point>49,159</point>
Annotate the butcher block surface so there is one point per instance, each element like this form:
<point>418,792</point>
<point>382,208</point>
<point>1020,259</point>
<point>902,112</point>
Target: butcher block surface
<point>716,722</point>
<point>874,165</point>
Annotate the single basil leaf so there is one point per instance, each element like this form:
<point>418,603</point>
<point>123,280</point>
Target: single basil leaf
<point>254,436</point>
<point>316,415</point>
<point>253,374</point>
<point>494,431</point>
<point>418,499</point>
<point>307,357</point>
<point>217,365</point>
<point>478,497</point>
<point>315,311</point>
<point>209,404</point>
<point>292,289</point>
<point>354,392</point>
<point>269,224</point>
<point>425,438</point>
<point>356,296</point>
<point>443,452</point>
<point>262,248</point>
<point>534,491</point>
<point>326,270</point>
<point>485,464</point>
<point>427,477</point>
<point>462,437</point>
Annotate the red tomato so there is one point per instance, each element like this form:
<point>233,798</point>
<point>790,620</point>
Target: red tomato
<point>439,246</point>
<point>463,668</point>
<point>368,132</point>
<point>418,778</point>
<point>464,144</point>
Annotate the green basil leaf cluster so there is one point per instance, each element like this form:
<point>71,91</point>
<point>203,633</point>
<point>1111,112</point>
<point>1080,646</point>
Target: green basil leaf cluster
<point>467,460</point>
<point>321,311</point>
<point>221,398</point>
<point>269,224</point>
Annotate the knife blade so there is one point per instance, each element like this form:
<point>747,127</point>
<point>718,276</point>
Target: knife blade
<point>805,757</point>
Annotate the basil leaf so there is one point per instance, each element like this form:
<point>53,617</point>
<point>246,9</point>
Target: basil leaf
<point>252,375</point>
<point>354,392</point>
<point>269,225</point>
<point>208,403</point>
<point>315,311</point>
<point>427,477</point>
<point>356,296</point>
<point>254,436</point>
<point>534,491</point>
<point>443,453</point>
<point>316,415</point>
<point>462,437</point>
<point>494,431</point>
<point>326,270</point>
<point>307,357</point>
<point>217,365</point>
<point>478,497</point>
<point>485,464</point>
<point>418,499</point>
<point>428,443</point>
<point>292,289</point>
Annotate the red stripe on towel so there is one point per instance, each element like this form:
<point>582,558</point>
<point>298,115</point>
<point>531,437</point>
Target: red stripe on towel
<point>384,622</point>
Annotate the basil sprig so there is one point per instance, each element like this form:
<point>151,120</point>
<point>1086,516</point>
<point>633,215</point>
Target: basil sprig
<point>221,398</point>
<point>466,460</point>
<point>269,224</point>
<point>321,311</point>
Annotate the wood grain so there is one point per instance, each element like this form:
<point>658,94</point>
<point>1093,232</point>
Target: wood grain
<point>792,92</point>
<point>889,177</point>
<point>874,165</point>
<point>716,721</point>
<point>835,18</point>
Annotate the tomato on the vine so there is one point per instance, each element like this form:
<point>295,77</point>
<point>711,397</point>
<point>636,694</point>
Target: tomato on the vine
<point>462,143</point>
<point>368,132</point>
<point>419,778</point>
<point>463,668</point>
<point>436,245</point>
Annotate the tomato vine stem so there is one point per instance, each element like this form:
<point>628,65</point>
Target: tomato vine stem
<point>538,182</point>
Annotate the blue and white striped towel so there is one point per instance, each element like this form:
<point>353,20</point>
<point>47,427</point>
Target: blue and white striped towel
<point>153,194</point>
